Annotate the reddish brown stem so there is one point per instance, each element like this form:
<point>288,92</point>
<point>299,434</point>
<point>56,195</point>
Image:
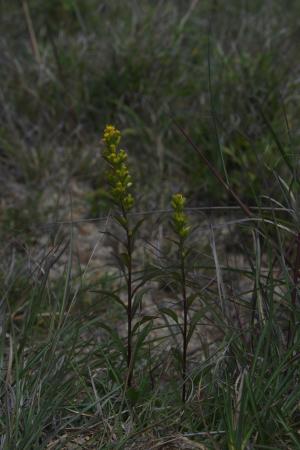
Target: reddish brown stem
<point>185,325</point>
<point>129,310</point>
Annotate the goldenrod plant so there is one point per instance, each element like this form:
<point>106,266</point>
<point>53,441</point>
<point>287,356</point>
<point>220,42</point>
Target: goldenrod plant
<point>118,176</point>
<point>120,185</point>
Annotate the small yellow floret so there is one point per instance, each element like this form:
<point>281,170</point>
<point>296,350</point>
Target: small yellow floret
<point>111,135</point>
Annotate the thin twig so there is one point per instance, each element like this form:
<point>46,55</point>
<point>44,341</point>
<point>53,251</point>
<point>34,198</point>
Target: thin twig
<point>32,36</point>
<point>214,171</point>
<point>165,211</point>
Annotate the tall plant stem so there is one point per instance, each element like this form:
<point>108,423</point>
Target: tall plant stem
<point>185,324</point>
<point>129,308</point>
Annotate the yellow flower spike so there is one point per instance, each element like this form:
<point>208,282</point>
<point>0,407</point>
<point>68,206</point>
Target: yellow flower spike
<point>118,177</point>
<point>119,184</point>
<point>111,136</point>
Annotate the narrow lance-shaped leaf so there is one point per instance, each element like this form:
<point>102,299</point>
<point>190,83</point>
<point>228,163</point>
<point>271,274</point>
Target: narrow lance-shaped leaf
<point>141,322</point>
<point>140,340</point>
<point>194,322</point>
<point>113,296</point>
<point>137,300</point>
<point>170,313</point>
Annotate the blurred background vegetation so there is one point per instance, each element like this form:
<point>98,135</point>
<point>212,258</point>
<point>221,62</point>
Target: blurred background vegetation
<point>226,71</point>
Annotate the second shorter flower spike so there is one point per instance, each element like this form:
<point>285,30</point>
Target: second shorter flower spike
<point>178,201</point>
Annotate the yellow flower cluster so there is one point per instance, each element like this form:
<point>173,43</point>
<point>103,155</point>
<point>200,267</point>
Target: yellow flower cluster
<point>180,220</point>
<point>111,136</point>
<point>118,176</point>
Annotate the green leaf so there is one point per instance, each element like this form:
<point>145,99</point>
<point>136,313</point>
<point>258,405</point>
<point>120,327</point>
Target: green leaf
<point>125,259</point>
<point>133,395</point>
<point>115,338</point>
<point>193,324</point>
<point>169,312</point>
<point>111,295</point>
<point>191,298</point>
<point>137,300</point>
<point>177,355</point>
<point>140,340</point>
<point>145,319</point>
<point>122,221</point>
<point>113,236</point>
<point>137,226</point>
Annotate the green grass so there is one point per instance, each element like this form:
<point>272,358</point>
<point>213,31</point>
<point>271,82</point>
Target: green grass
<point>63,378</point>
<point>224,74</point>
